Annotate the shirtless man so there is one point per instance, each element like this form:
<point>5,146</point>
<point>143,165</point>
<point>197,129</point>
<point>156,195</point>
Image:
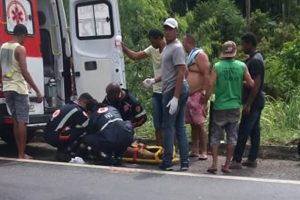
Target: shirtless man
<point>198,79</point>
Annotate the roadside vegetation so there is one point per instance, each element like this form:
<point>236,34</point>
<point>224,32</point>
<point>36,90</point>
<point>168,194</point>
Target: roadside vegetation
<point>276,23</point>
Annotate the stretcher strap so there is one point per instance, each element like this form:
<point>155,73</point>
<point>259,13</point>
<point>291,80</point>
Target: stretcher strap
<point>136,151</point>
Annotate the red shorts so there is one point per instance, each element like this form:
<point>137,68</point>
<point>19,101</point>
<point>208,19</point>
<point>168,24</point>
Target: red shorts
<point>194,110</point>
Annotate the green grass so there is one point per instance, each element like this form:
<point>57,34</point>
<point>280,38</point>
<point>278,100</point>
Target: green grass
<point>280,122</point>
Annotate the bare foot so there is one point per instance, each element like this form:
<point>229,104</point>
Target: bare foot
<point>27,157</point>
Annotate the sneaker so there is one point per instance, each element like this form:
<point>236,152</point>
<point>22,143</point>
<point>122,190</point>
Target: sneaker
<point>249,163</point>
<point>166,167</point>
<point>77,160</point>
<point>184,168</point>
<point>235,165</point>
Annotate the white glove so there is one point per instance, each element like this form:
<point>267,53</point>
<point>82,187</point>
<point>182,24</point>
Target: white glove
<point>173,104</point>
<point>148,82</point>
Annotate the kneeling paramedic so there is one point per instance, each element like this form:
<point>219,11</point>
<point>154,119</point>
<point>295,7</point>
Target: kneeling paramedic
<point>67,125</point>
<point>108,134</point>
<point>128,106</point>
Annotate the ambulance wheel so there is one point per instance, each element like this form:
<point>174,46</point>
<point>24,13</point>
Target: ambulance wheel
<point>299,147</point>
<point>6,133</point>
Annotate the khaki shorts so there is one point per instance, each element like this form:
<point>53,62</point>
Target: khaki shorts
<point>227,120</point>
<point>18,105</point>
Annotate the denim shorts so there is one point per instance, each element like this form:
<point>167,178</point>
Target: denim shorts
<point>227,120</point>
<point>157,110</point>
<point>18,105</point>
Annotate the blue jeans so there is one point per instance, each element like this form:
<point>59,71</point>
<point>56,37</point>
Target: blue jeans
<point>249,127</point>
<point>175,124</point>
<point>157,109</point>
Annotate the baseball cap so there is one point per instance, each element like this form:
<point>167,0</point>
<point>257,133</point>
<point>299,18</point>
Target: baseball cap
<point>171,22</point>
<point>228,49</point>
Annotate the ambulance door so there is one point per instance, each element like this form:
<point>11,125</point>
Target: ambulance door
<point>94,28</point>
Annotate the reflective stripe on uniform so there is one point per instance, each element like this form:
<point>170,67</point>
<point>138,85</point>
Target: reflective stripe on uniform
<point>65,119</point>
<point>85,123</point>
<point>140,114</point>
<point>109,122</point>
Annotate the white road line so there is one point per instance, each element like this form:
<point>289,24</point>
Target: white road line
<point>150,171</point>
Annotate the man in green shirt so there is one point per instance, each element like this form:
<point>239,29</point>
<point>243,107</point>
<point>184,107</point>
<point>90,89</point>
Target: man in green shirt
<point>228,77</point>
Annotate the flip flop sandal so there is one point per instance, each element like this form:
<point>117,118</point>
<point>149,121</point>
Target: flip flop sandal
<point>212,170</point>
<point>203,158</point>
<point>193,155</point>
<point>225,171</point>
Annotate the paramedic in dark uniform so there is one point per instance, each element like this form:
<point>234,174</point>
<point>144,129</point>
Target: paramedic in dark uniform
<point>108,133</point>
<point>67,125</point>
<point>128,106</point>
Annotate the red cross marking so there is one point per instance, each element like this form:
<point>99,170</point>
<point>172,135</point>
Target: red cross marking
<point>17,15</point>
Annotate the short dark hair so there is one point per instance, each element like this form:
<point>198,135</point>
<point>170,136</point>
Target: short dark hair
<point>250,38</point>
<point>92,105</point>
<point>85,97</point>
<point>191,39</point>
<point>155,34</point>
<point>113,89</point>
<point>20,29</point>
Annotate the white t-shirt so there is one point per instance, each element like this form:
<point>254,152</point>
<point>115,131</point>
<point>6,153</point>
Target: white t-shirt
<point>154,54</point>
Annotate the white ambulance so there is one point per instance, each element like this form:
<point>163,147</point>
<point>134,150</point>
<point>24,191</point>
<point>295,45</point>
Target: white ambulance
<point>65,59</point>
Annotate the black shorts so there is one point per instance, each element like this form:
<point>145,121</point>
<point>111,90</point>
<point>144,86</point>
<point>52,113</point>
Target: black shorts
<point>115,138</point>
<point>55,139</point>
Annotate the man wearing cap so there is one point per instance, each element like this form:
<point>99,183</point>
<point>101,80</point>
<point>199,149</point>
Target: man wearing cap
<point>227,80</point>
<point>175,93</point>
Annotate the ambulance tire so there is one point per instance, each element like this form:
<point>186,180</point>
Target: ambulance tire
<point>299,147</point>
<point>6,134</point>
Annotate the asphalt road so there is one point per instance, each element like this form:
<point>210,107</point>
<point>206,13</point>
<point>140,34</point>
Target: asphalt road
<point>267,168</point>
<point>38,180</point>
<point>45,179</point>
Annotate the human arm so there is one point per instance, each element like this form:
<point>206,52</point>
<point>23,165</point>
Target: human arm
<point>135,55</point>
<point>212,82</point>
<point>248,81</point>
<point>256,83</point>
<point>20,55</point>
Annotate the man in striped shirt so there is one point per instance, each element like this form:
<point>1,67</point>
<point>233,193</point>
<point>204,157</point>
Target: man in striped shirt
<point>66,125</point>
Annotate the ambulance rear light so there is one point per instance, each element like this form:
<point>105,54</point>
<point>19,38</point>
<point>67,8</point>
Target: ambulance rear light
<point>1,91</point>
<point>8,120</point>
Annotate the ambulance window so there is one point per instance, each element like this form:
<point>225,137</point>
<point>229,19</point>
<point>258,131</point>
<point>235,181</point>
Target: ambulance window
<point>94,21</point>
<point>19,12</point>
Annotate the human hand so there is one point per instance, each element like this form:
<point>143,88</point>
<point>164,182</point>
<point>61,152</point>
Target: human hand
<point>39,97</point>
<point>246,109</point>
<point>205,110</point>
<point>173,104</point>
<point>148,82</point>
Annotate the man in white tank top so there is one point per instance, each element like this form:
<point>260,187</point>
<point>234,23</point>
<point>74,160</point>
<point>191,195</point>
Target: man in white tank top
<point>16,79</point>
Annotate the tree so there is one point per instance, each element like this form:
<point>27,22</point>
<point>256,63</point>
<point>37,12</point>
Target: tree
<point>216,21</point>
